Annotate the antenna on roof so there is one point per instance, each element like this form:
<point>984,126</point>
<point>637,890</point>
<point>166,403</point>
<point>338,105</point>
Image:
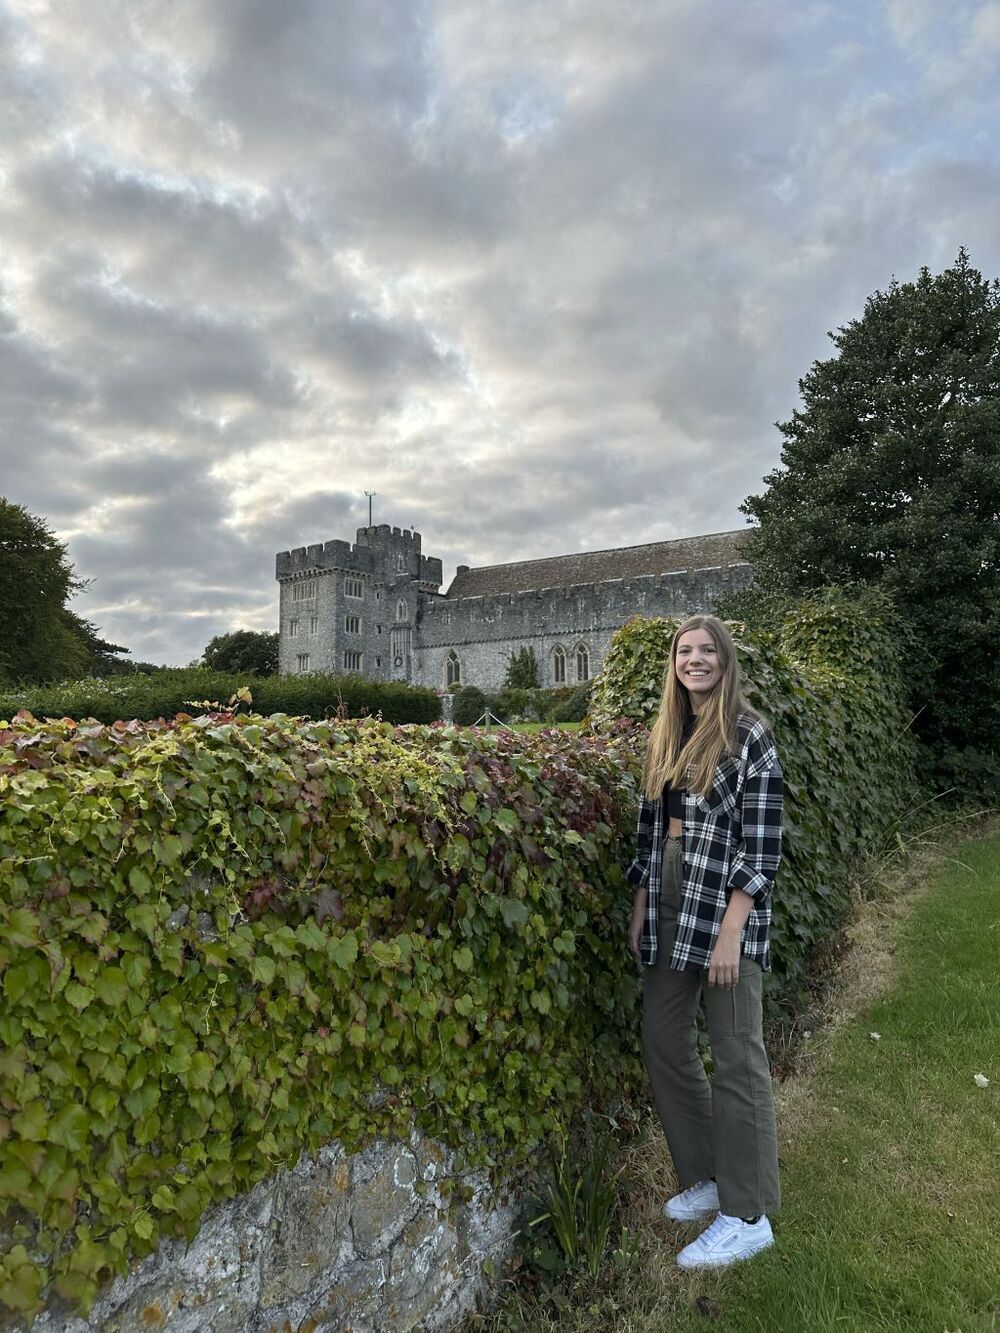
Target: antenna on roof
<point>370,494</point>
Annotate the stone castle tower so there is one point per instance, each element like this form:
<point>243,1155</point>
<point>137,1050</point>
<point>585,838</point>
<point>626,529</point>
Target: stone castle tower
<point>375,608</point>
<point>354,608</point>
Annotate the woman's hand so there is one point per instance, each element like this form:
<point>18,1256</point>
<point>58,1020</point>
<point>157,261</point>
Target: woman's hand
<point>636,924</point>
<point>724,965</point>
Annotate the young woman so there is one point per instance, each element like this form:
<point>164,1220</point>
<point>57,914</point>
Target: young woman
<point>708,846</point>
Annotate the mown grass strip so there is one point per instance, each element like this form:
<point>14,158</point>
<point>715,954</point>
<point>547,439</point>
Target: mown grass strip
<point>892,1208</point>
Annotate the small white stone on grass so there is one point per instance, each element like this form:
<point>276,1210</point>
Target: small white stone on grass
<point>875,1036</point>
<point>980,1080</point>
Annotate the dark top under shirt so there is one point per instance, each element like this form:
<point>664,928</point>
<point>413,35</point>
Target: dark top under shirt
<point>673,797</point>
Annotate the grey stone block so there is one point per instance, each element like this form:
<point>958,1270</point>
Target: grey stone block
<point>309,1230</point>
<point>384,1197</point>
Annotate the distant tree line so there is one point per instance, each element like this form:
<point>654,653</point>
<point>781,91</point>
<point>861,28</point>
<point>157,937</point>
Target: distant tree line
<point>42,640</point>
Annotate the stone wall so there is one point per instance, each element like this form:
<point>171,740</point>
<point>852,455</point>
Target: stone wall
<point>484,631</point>
<point>369,1243</point>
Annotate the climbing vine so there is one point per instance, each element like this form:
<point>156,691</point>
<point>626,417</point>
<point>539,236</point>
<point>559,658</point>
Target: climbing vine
<point>227,939</point>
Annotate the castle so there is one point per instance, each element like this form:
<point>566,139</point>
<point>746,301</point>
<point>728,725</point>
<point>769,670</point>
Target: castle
<point>375,608</point>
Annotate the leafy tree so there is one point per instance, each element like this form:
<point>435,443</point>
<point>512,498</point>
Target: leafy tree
<point>522,670</point>
<point>243,650</point>
<point>40,638</point>
<point>890,476</point>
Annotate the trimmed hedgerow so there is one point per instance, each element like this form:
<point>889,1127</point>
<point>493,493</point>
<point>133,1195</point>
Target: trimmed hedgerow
<point>830,684</point>
<point>229,939</point>
<point>196,690</point>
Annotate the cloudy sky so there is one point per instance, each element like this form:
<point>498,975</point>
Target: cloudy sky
<point>542,273</point>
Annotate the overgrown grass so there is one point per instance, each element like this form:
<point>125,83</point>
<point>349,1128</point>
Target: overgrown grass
<point>889,1163</point>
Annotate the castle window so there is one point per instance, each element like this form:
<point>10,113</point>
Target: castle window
<point>293,629</point>
<point>400,610</point>
<point>302,591</point>
<point>559,665</point>
<point>378,594</point>
<point>400,562</point>
<point>353,588</point>
<point>303,661</point>
<point>313,624</point>
<point>353,624</point>
<point>582,662</point>
<point>378,661</point>
<point>352,661</point>
<point>453,670</point>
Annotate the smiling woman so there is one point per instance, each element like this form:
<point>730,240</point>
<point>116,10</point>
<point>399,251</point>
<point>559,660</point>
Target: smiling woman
<point>709,842</point>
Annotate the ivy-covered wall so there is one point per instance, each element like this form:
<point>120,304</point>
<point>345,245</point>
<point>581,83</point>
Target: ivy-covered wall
<point>830,683</point>
<point>231,939</point>
<point>227,940</point>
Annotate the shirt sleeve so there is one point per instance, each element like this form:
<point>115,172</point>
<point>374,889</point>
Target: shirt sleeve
<point>638,871</point>
<point>758,853</point>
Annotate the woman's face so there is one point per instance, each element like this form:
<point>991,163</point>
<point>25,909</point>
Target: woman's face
<point>697,665</point>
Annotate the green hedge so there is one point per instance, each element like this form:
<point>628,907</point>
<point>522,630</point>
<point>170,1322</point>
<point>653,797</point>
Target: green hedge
<point>171,691</point>
<point>563,703</point>
<point>830,684</point>
<point>220,937</point>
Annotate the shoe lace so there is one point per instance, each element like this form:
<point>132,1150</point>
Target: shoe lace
<point>715,1230</point>
<point>693,1190</point>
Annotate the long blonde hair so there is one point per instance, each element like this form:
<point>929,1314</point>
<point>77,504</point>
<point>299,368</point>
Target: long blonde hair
<point>693,765</point>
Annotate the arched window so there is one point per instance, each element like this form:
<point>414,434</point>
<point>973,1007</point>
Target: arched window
<point>582,662</point>
<point>453,670</point>
<point>401,610</point>
<point>559,665</point>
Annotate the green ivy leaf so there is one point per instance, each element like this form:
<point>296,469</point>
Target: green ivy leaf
<point>139,880</point>
<point>343,952</point>
<point>463,960</point>
<point>21,928</point>
<point>506,820</point>
<point>69,1128</point>
<point>263,969</point>
<point>32,1123</point>
<point>111,986</point>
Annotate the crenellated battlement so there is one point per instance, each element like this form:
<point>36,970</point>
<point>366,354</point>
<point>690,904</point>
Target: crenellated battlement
<point>377,550</point>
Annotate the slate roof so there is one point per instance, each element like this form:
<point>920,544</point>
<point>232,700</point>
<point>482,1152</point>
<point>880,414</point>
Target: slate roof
<point>624,562</point>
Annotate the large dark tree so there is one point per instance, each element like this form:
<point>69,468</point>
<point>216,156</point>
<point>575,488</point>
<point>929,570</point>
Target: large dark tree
<point>243,650</point>
<point>40,638</point>
<point>890,475</point>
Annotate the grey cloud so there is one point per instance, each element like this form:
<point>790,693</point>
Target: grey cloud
<point>195,240</point>
<point>542,275</point>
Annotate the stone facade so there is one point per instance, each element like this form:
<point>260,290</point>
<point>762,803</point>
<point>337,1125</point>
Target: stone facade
<point>375,607</point>
<point>367,1243</point>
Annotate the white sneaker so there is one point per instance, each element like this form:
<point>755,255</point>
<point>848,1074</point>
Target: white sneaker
<point>697,1201</point>
<point>726,1240</point>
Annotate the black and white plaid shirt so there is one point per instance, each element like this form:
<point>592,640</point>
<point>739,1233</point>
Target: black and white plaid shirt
<point>732,840</point>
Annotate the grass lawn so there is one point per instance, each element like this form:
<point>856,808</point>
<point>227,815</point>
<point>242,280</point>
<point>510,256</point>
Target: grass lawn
<point>546,726</point>
<point>890,1159</point>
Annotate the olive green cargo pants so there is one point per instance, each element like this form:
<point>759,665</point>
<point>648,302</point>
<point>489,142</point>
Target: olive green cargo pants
<point>724,1128</point>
